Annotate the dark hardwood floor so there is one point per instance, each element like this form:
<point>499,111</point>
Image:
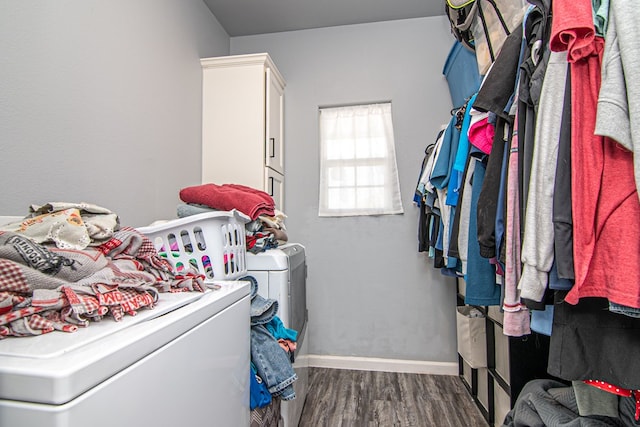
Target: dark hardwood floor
<point>341,398</point>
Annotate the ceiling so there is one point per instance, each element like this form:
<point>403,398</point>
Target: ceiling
<point>249,17</point>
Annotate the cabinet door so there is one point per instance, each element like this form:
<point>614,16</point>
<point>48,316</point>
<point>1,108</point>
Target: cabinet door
<point>233,125</point>
<point>275,187</point>
<point>274,148</point>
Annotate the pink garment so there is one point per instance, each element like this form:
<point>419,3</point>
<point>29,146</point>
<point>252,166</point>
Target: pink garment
<point>516,321</point>
<point>606,234</point>
<point>226,197</point>
<point>481,135</point>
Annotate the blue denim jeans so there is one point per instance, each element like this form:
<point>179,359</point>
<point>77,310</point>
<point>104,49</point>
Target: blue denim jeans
<point>272,363</point>
<point>262,309</point>
<point>622,309</point>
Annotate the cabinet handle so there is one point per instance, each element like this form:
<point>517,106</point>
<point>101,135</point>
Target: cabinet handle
<point>271,186</point>
<point>272,147</point>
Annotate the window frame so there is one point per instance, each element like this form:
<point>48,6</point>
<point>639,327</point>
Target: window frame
<point>389,193</point>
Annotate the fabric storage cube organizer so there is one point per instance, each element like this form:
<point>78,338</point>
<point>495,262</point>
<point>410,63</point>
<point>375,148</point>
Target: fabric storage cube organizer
<point>471,334</point>
<point>214,243</point>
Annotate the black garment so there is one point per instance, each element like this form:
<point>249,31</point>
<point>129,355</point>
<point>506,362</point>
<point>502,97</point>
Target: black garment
<point>424,218</point>
<point>537,31</point>
<point>438,259</point>
<point>499,84</point>
<point>488,199</point>
<point>562,211</point>
<point>434,230</point>
<point>547,299</point>
<point>495,94</point>
<point>591,342</point>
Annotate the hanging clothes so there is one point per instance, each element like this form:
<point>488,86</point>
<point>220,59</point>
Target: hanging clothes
<point>537,245</point>
<point>588,341</point>
<point>604,216</point>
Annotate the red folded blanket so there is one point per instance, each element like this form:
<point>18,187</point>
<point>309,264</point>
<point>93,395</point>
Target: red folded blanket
<point>226,197</point>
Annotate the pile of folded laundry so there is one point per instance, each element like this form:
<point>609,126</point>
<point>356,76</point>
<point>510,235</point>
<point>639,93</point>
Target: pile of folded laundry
<point>266,229</point>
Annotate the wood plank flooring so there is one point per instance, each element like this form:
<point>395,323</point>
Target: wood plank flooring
<point>345,398</point>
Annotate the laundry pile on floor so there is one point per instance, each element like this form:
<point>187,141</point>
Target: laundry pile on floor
<point>272,348</point>
<point>547,402</point>
<point>66,265</point>
<point>266,230</point>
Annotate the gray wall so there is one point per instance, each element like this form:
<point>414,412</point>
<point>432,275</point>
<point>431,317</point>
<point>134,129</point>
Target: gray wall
<point>370,294</point>
<point>100,101</point>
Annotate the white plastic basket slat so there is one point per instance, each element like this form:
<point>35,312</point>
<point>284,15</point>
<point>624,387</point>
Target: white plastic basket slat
<point>213,242</point>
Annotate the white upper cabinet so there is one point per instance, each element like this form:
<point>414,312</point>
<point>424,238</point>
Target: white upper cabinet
<point>242,123</point>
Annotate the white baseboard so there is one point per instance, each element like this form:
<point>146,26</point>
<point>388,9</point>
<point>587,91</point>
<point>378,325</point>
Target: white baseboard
<point>382,365</point>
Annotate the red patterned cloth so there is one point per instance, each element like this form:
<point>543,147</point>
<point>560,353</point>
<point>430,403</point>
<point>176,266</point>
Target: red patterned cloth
<point>44,288</point>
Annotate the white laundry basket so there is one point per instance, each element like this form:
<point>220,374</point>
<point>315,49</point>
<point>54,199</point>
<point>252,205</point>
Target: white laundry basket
<point>214,243</point>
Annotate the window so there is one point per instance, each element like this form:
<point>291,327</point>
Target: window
<point>358,172</point>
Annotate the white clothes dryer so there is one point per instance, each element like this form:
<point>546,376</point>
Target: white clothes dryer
<point>183,363</point>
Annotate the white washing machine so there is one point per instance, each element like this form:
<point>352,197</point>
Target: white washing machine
<point>282,275</point>
<point>183,363</point>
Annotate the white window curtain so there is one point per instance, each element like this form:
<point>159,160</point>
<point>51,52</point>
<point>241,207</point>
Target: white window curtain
<point>358,171</point>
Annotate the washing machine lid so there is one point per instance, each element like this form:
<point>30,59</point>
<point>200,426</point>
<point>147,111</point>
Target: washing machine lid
<point>272,259</point>
<point>269,260</point>
<point>57,367</point>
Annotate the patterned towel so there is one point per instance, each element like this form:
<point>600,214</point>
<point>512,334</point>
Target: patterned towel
<point>45,288</point>
<point>68,225</point>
